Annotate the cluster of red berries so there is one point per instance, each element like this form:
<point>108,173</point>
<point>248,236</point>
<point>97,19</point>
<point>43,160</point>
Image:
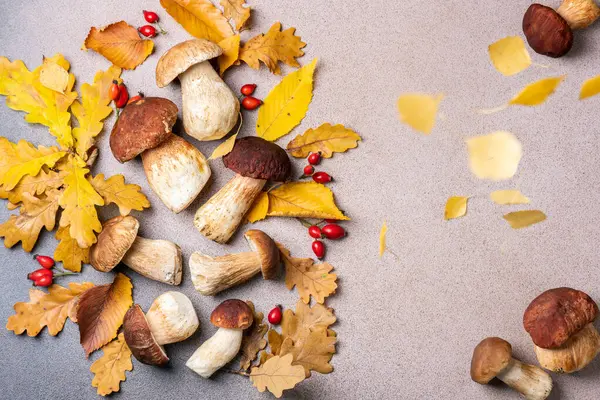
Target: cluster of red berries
<point>118,93</point>
<point>150,30</point>
<point>44,276</point>
<point>327,229</point>
<point>309,171</point>
<point>248,102</point>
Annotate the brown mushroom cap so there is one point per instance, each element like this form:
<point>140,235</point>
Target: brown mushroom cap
<point>232,314</point>
<point>490,357</point>
<point>142,125</point>
<point>254,157</point>
<point>140,339</point>
<point>117,236</point>
<point>557,314</point>
<point>182,56</point>
<point>267,251</point>
<point>546,31</point>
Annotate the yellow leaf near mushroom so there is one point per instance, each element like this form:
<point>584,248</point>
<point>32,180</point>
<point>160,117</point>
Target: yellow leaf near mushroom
<point>235,11</point>
<point>536,93</point>
<point>508,197</point>
<point>590,88</point>
<point>326,139</point>
<point>495,156</point>
<point>68,251</point>
<point>523,219</point>
<point>54,76</point>
<point>259,209</point>
<point>382,239</point>
<point>109,370</point>
<point>277,374</point>
<point>200,18</point>
<point>224,148</point>
<point>419,111</point>
<point>456,207</point>
<point>231,52</point>
<point>305,200</point>
<point>509,55</point>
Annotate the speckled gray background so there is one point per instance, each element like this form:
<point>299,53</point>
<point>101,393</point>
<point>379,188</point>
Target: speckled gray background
<point>406,327</point>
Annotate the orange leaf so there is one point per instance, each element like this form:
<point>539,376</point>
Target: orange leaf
<point>200,18</point>
<point>231,52</point>
<point>235,10</point>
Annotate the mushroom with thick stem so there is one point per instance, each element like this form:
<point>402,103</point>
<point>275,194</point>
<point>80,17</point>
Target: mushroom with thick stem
<point>231,317</point>
<point>255,161</point>
<point>212,275</point>
<point>210,108</point>
<point>492,358</point>
<point>560,323</point>
<point>118,242</point>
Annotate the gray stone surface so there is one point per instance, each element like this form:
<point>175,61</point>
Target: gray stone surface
<point>407,326</point>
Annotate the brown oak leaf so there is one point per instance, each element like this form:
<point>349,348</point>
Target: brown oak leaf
<point>277,374</point>
<point>253,340</point>
<point>313,350</point>
<point>318,317</point>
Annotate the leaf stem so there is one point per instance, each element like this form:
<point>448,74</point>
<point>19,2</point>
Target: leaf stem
<point>231,371</point>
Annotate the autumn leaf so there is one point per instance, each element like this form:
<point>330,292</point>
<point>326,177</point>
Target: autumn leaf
<point>313,351</point>
<point>495,156</point>
<point>304,200</point>
<point>253,340</point>
<point>273,47</point>
<point>224,148</point>
<point>533,94</point>
<point>114,190</point>
<point>34,185</point>
<point>68,251</point>
<point>456,207</point>
<point>525,218</point>
<point>275,341</point>
<point>259,209</point>
<point>120,44</point>
<point>509,55</point>
<point>326,139</point>
<point>590,88</point>
<point>231,52</point>
<point>235,11</point>
<point>101,311</point>
<point>200,18</point>
<point>109,370</point>
<point>47,309</point>
<point>294,325</point>
<point>54,76</point>
<point>277,374</point>
<point>382,239</point>
<point>508,197</point>
<point>419,111</point>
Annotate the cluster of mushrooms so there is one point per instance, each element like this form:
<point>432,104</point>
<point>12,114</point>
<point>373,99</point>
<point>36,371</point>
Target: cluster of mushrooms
<point>561,325</point>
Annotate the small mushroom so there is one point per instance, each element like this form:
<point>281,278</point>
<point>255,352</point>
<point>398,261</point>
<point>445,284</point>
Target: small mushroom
<point>492,358</point>
<point>255,161</point>
<point>118,242</point>
<point>546,31</point>
<point>210,108</point>
<point>212,275</point>
<point>560,323</point>
<point>231,317</point>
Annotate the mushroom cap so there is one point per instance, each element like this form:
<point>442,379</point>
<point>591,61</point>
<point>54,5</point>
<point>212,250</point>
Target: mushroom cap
<point>546,31</point>
<point>267,252</point>
<point>557,314</point>
<point>254,157</point>
<point>232,314</point>
<point>142,125</point>
<point>117,236</point>
<point>140,340</point>
<point>172,318</point>
<point>182,56</point>
<point>490,357</point>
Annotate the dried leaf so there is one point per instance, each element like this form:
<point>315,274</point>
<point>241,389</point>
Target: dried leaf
<point>101,311</point>
<point>506,197</point>
<point>313,351</point>
<point>224,148</point>
<point>253,340</point>
<point>382,237</point>
<point>326,139</point>
<point>34,185</point>
<point>495,156</point>
<point>200,18</point>
<point>536,93</point>
<point>294,325</point>
<point>120,44</point>
<point>590,88</point>
<point>277,374</point>
<point>109,370</point>
<point>275,341</point>
<point>523,219</point>
<point>419,111</point>
<point>259,209</point>
<point>509,55</point>
<point>305,200</point>
<point>114,190</point>
<point>231,52</point>
<point>286,105</point>
<point>68,251</point>
<point>456,207</point>
<point>47,309</point>
<point>54,76</point>
<point>235,11</point>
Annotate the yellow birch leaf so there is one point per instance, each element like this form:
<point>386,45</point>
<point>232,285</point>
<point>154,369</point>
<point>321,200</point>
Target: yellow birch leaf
<point>419,111</point>
<point>259,209</point>
<point>235,11</point>
<point>382,237</point>
<point>200,18</point>
<point>231,52</point>
<point>509,55</point>
<point>53,76</point>
<point>304,200</point>
<point>313,351</point>
<point>326,139</point>
<point>224,148</point>
<point>456,207</point>
<point>506,197</point>
<point>525,218</point>
<point>590,88</point>
<point>495,156</point>
<point>536,93</point>
<point>114,190</point>
<point>68,251</point>
<point>109,370</point>
<point>286,105</point>
<point>120,44</point>
<point>277,374</point>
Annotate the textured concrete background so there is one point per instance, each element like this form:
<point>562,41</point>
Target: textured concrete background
<point>406,327</point>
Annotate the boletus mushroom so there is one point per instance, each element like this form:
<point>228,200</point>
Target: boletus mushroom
<point>231,317</point>
<point>210,108</point>
<point>212,275</point>
<point>255,161</point>
<point>560,323</point>
<point>159,260</point>
<point>492,358</point>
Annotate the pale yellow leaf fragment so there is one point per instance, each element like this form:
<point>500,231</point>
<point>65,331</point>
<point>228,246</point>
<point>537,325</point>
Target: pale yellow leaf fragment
<point>259,209</point>
<point>523,219</point>
<point>590,88</point>
<point>536,93</point>
<point>509,55</point>
<point>456,207</point>
<point>224,148</point>
<point>53,76</point>
<point>382,237</point>
<point>508,197</point>
<point>495,156</point>
<point>419,111</point>
<point>231,52</point>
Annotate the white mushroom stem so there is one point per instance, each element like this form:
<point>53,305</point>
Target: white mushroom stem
<point>211,275</point>
<point>155,259</point>
<point>220,216</point>
<point>531,381</point>
<point>574,355</point>
<point>216,352</point>
<point>579,14</point>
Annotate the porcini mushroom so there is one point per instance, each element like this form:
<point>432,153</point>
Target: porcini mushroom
<point>546,31</point>
<point>212,275</point>
<point>560,323</point>
<point>492,358</point>
<point>210,109</point>
<point>231,317</point>
<point>118,242</point>
<point>255,161</point>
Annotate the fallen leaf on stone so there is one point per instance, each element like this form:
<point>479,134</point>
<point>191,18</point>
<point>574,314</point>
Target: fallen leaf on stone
<point>114,190</point>
<point>200,18</point>
<point>275,341</point>
<point>259,209</point>
<point>109,370</point>
<point>32,185</point>
<point>68,251</point>
<point>590,88</point>
<point>253,340</point>
<point>508,197</point>
<point>235,11</point>
<point>54,76</point>
<point>326,139</point>
<point>419,111</point>
<point>382,239</point>
<point>456,207</point>
<point>224,148</point>
<point>313,350</point>
<point>523,219</point>
<point>231,52</point>
<point>304,200</point>
<point>294,324</point>
<point>509,55</point>
<point>533,94</point>
<point>277,374</point>
<point>495,156</point>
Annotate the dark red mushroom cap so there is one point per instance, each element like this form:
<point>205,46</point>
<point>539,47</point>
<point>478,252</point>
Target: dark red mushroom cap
<point>557,314</point>
<point>547,32</point>
<point>232,314</point>
<point>254,157</point>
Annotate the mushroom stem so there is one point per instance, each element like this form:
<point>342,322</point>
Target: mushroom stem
<point>531,381</point>
<point>155,259</point>
<point>579,14</point>
<point>221,215</point>
<point>212,275</point>
<point>216,352</point>
<point>574,355</point>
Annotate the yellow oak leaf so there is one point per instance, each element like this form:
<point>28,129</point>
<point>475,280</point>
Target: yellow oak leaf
<point>200,18</point>
<point>120,44</point>
<point>295,324</point>
<point>114,190</point>
<point>101,311</point>
<point>277,374</point>
<point>235,11</point>
<point>305,200</point>
<point>326,139</point>
<point>231,52</point>
<point>506,197</point>
<point>224,148</point>
<point>509,55</point>
<point>273,47</point>
<point>419,111</point>
<point>382,239</point>
<point>495,156</point>
<point>525,218</point>
<point>34,185</point>
<point>590,88</point>
<point>259,209</point>
<point>456,207</point>
<point>109,370</point>
<point>253,340</point>
<point>312,351</point>
<point>47,309</point>
<point>68,251</point>
<point>54,76</point>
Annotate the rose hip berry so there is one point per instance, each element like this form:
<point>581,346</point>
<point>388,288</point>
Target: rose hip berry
<point>44,281</point>
<point>44,261</point>
<point>139,96</point>
<point>40,273</point>
<point>123,96</point>
<point>113,91</point>
<point>251,103</point>
<point>333,231</point>
<point>309,170</point>
<point>314,158</point>
<point>322,177</point>
<point>248,89</point>
<point>315,232</point>
<point>275,315</point>
<point>148,31</point>
<point>318,248</point>
<point>150,16</point>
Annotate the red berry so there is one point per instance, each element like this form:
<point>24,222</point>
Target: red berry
<point>309,170</point>
<point>331,221</point>
<point>274,316</point>
<point>123,96</point>
<point>45,261</point>
<point>315,232</point>
<point>322,177</point>
<point>333,231</point>
<point>44,281</point>
<point>318,248</point>
<point>251,103</point>
<point>139,96</point>
<point>148,31</point>
<point>248,89</point>
<point>314,158</point>
<point>40,273</point>
<point>113,91</point>
<point>150,16</point>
